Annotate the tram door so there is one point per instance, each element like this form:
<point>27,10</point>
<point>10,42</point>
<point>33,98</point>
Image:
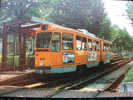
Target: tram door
<point>55,49</point>
<point>67,49</point>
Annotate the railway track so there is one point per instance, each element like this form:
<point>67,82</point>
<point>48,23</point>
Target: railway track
<point>67,83</point>
<point>84,81</point>
<point>98,87</point>
<point>28,78</point>
<point>21,80</point>
<point>117,58</point>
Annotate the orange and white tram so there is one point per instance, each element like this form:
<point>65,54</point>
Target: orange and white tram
<point>59,49</point>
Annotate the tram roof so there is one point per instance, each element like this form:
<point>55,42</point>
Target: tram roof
<point>37,21</point>
<point>33,22</point>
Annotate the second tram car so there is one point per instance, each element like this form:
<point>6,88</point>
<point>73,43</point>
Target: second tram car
<point>59,49</point>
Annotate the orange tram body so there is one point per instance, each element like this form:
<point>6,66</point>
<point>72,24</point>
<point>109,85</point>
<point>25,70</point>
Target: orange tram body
<point>59,49</point>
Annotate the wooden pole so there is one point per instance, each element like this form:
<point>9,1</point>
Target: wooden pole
<point>4,46</point>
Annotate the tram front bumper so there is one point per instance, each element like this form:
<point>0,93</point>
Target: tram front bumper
<point>49,70</point>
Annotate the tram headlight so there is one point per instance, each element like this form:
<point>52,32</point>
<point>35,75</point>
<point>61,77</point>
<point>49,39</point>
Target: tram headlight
<point>42,63</point>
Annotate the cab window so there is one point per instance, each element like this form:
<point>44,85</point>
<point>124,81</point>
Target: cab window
<point>67,41</point>
<point>43,39</point>
<point>55,45</point>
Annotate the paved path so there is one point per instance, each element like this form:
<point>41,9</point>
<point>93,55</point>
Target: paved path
<point>126,87</point>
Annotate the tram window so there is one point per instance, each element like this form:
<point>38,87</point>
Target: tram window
<point>78,43</point>
<point>55,46</point>
<point>111,48</point>
<point>94,45</point>
<point>98,47</point>
<point>67,41</point>
<point>108,49</point>
<point>43,39</point>
<point>104,47</point>
<point>84,47</point>
<point>89,44</point>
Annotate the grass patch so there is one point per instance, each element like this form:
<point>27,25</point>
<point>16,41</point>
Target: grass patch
<point>129,75</point>
<point>125,56</point>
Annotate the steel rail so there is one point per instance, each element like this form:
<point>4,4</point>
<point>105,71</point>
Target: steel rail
<point>66,86</point>
<point>88,79</point>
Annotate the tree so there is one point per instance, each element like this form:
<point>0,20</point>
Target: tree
<point>85,14</point>
<point>19,9</point>
<point>129,10</point>
<point>105,29</point>
<point>122,40</point>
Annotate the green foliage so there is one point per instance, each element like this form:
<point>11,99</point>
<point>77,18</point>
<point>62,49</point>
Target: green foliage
<point>129,10</point>
<point>77,14</point>
<point>85,14</point>
<point>105,29</point>
<point>122,40</point>
<point>71,13</point>
<point>129,76</point>
<point>17,9</point>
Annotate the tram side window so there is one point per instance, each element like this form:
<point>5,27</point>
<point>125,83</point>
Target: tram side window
<point>94,45</point>
<point>67,41</point>
<point>108,48</point>
<point>98,47</point>
<point>78,43</point>
<point>55,46</point>
<point>84,47</point>
<point>89,44</point>
<point>104,47</point>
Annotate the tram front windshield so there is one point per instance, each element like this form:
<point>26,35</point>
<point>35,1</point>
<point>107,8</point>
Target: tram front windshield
<point>43,39</point>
